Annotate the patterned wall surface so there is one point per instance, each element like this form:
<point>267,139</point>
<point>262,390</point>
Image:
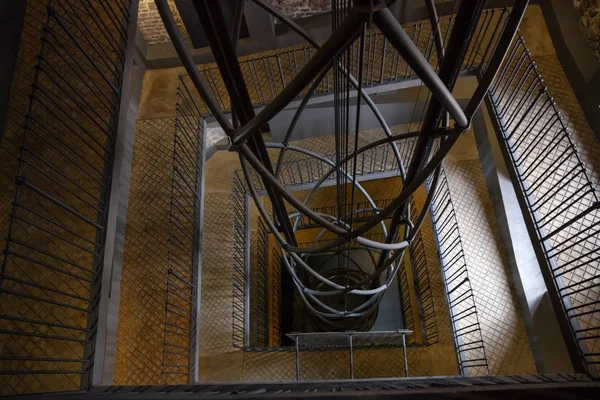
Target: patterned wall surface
<point>145,265</point>
<point>151,26</point>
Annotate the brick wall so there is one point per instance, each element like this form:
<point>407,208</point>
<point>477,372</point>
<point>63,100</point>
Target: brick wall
<point>151,25</point>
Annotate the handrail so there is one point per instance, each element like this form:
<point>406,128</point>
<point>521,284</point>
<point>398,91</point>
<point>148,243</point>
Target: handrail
<point>558,199</point>
<point>268,74</point>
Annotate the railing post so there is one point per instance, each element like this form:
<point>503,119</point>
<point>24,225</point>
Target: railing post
<point>297,360</point>
<point>195,372</point>
<point>247,269</point>
<point>110,281</point>
<point>404,355</point>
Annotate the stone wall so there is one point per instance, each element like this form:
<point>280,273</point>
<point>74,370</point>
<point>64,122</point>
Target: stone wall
<point>302,8</point>
<point>589,11</point>
<point>151,26</point>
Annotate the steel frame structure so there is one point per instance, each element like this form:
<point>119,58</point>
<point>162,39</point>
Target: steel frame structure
<point>91,360</point>
<point>244,133</point>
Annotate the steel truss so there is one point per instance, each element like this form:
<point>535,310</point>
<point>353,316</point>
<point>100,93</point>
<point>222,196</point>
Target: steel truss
<point>435,139</point>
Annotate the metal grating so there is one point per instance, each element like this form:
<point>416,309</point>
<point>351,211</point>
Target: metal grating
<point>181,318</point>
<point>472,359</point>
<point>140,334</point>
<point>49,284</point>
<point>270,72</point>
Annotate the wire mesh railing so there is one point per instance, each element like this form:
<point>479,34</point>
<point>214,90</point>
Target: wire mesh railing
<point>262,332</point>
<point>240,263</point>
<point>424,295</point>
<point>406,302</point>
<point>307,170</point>
<point>181,318</point>
<point>261,320</point>
<point>52,267</point>
<point>275,333</point>
<point>424,325</point>
<point>559,196</point>
<point>268,74</point>
<point>468,340</point>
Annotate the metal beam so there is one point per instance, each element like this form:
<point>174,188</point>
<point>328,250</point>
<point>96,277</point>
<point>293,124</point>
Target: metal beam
<point>394,32</point>
<point>190,67</point>
<point>105,341</point>
<point>211,16</point>
<point>464,28</point>
<point>340,39</point>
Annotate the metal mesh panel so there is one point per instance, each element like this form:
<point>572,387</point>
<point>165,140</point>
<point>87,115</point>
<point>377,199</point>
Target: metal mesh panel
<point>179,351</point>
<point>49,284</point>
<point>407,300</point>
<point>261,318</point>
<point>469,344</point>
<point>560,196</point>
<point>140,334</point>
<point>268,73</point>
<point>241,279</point>
<point>424,293</point>
<point>216,314</point>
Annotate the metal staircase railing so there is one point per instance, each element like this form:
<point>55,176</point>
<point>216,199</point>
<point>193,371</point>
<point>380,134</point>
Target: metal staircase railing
<point>184,243</point>
<point>558,386</point>
<point>52,266</point>
<point>58,219</point>
<point>267,75</point>
<point>558,198</point>
<point>426,316</point>
<point>470,348</point>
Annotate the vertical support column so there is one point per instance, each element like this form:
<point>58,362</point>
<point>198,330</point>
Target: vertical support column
<point>297,360</point>
<point>404,355</point>
<point>351,357</point>
<point>108,304</point>
<point>194,371</point>
<point>247,269</point>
